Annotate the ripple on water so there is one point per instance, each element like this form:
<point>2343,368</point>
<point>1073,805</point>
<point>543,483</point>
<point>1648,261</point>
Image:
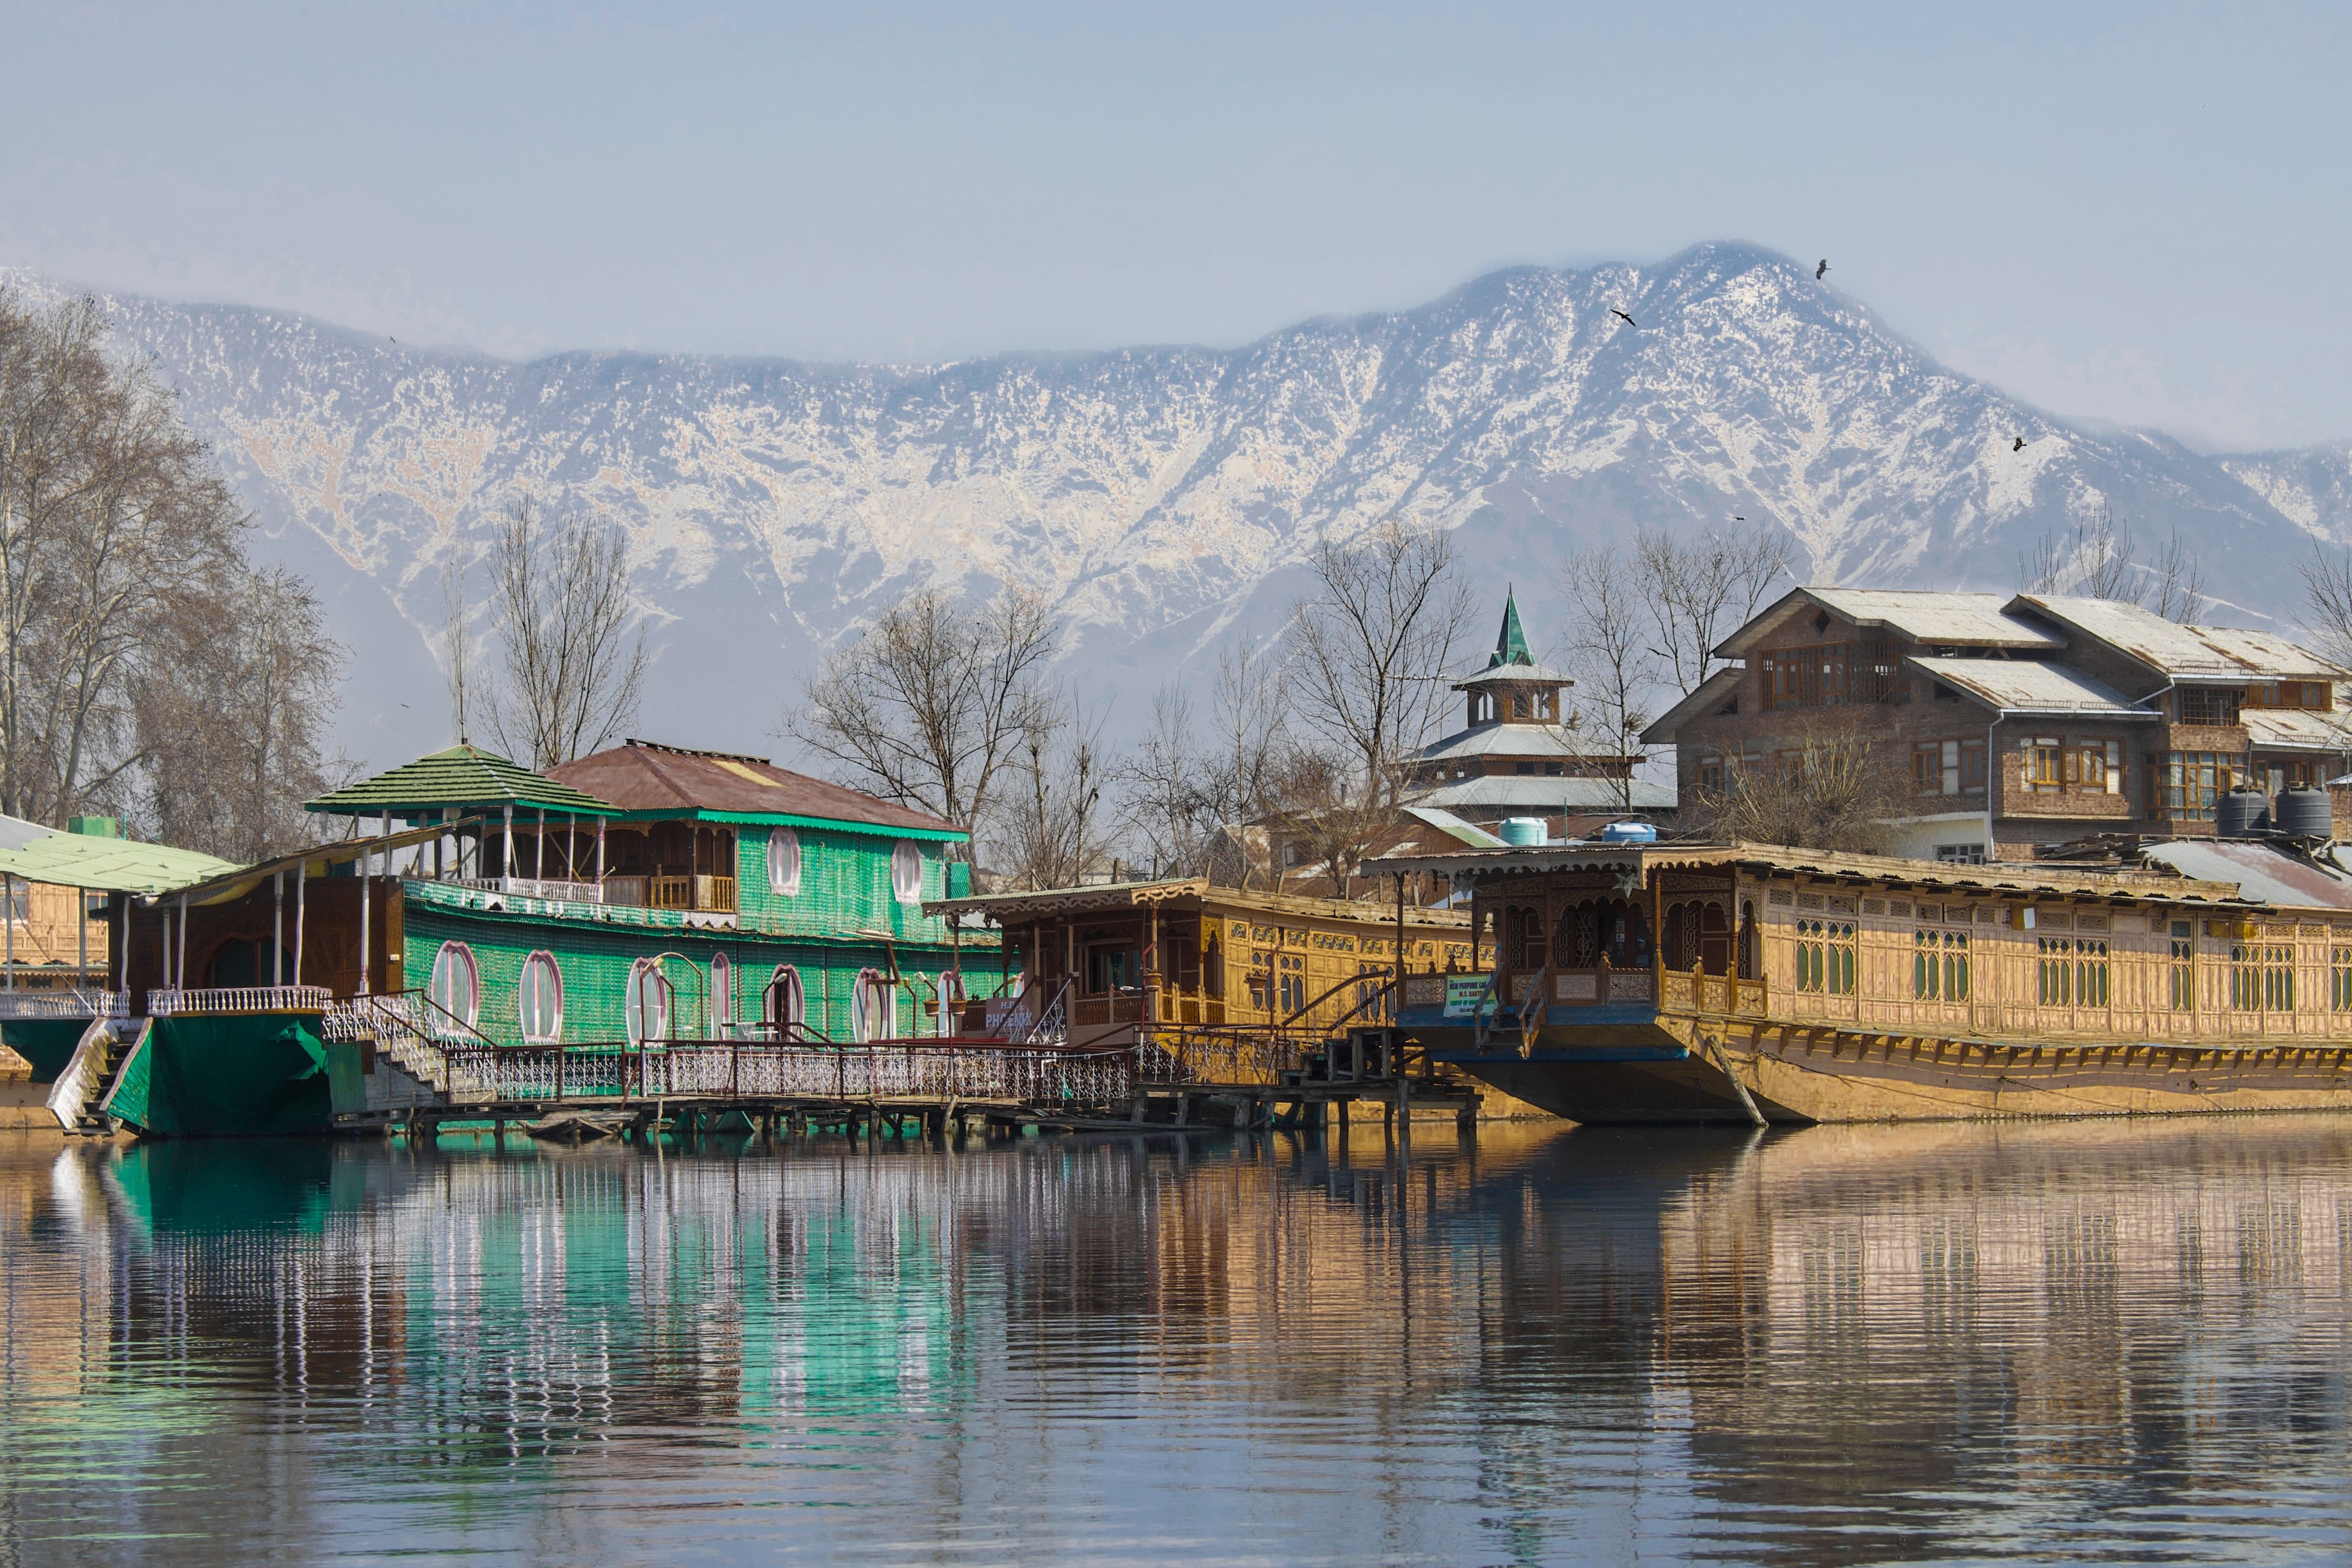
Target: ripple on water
<point>2116,1343</point>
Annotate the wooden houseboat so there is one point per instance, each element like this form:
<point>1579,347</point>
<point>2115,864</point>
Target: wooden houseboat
<point>1692,983</point>
<point>692,895</point>
<point>1216,983</point>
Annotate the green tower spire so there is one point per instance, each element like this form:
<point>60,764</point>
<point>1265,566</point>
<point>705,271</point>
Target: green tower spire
<point>1511,647</point>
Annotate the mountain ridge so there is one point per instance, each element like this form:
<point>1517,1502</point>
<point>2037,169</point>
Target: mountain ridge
<point>1165,496</point>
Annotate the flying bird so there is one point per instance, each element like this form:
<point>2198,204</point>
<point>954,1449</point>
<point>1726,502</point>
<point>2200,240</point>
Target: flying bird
<point>2021,445</point>
<point>1821,271</point>
<point>1629,320</point>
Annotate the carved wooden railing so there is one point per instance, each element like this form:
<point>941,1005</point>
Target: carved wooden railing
<point>66,1003</point>
<point>169,1003</point>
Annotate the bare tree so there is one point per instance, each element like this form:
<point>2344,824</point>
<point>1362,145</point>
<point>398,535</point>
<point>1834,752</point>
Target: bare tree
<point>1054,830</point>
<point>2328,600</point>
<point>1371,651</point>
<point>2178,591</point>
<point>2094,561</point>
<point>1697,592</point>
<point>1610,654</point>
<point>231,728</point>
<point>935,701</point>
<point>1187,796</point>
<point>114,529</point>
<point>572,671</point>
<point>457,644</point>
<point>1322,808</point>
<point>1841,789</point>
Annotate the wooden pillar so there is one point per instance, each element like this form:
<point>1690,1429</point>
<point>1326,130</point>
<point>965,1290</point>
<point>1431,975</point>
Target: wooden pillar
<point>181,966</point>
<point>301,894</point>
<point>81,933</point>
<point>506,840</point>
<point>366,941</point>
<point>600,852</point>
<point>539,849</point>
<point>278,929</point>
<point>8,886</point>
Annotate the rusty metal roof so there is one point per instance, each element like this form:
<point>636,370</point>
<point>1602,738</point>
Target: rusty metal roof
<point>645,779</point>
<point>2030,686</point>
<point>2264,873</point>
<point>1953,619</point>
<point>2183,653</point>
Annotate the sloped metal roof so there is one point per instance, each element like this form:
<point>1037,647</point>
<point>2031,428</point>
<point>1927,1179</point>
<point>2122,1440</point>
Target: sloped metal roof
<point>460,779</point>
<point>2296,729</point>
<point>2031,685</point>
<point>1506,737</point>
<point>111,865</point>
<point>1961,620</point>
<point>1454,827</point>
<point>2185,653</point>
<point>2264,872</point>
<point>642,777</point>
<point>1546,794</point>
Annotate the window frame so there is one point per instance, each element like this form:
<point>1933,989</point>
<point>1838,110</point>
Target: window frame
<point>471,1014</point>
<point>533,963</point>
<point>722,992</point>
<point>797,993</point>
<point>633,1021</point>
<point>784,845</point>
<point>905,887</point>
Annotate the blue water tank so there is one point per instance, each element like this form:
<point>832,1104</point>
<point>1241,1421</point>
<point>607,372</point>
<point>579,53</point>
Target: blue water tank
<point>1629,833</point>
<point>1523,832</point>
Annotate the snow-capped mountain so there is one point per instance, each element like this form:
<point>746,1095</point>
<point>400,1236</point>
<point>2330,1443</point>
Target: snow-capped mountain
<point>1165,496</point>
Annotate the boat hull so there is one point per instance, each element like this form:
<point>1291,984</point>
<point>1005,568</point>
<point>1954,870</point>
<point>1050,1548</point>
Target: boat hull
<point>1665,1068</point>
<point>226,1075</point>
<point>46,1044</point>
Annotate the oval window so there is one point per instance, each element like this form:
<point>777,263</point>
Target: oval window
<point>541,996</point>
<point>872,1012</point>
<point>780,1007</point>
<point>783,862</point>
<point>722,992</point>
<point>907,872</point>
<point>647,1013</point>
<point>456,986</point>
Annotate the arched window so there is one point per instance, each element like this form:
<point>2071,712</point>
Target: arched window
<point>907,872</point>
<point>783,862</point>
<point>872,1011</point>
<point>722,993</point>
<point>540,998</point>
<point>780,1006</point>
<point>647,1011</point>
<point>456,986</point>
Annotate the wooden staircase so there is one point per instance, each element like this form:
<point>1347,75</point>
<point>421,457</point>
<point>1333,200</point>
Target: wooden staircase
<point>77,1100</point>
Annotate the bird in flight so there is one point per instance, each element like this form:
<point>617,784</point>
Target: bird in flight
<point>1629,320</point>
<point>1821,271</point>
<point>2021,445</point>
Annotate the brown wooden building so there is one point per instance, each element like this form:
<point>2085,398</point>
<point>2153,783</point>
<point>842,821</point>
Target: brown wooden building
<point>2023,719</point>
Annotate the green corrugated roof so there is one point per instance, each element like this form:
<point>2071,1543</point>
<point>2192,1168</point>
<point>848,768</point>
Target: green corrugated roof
<point>462,777</point>
<point>111,865</point>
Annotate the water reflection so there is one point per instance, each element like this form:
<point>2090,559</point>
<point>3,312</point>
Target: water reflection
<point>2118,1341</point>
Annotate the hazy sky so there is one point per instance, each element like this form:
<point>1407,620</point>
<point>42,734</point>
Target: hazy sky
<point>2138,213</point>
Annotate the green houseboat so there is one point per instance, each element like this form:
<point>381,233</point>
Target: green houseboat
<point>641,895</point>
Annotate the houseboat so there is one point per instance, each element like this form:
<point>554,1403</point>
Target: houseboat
<point>1215,984</point>
<point>643,895</point>
<point>1646,982</point>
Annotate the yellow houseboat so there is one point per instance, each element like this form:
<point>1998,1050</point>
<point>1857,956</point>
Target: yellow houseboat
<point>1665,983</point>
<point>1233,986</point>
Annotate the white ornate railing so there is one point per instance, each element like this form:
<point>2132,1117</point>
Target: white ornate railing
<point>64,1004</point>
<point>531,887</point>
<point>169,1003</point>
<point>923,1072</point>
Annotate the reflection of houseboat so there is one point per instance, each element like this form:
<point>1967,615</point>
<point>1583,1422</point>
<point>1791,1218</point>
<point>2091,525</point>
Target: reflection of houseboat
<point>1234,986</point>
<point>1692,983</point>
<point>643,894</point>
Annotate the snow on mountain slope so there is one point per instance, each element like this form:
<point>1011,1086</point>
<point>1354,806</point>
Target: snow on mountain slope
<point>1166,496</point>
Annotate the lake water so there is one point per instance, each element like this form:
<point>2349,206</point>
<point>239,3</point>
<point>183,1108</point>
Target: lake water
<point>2113,1342</point>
